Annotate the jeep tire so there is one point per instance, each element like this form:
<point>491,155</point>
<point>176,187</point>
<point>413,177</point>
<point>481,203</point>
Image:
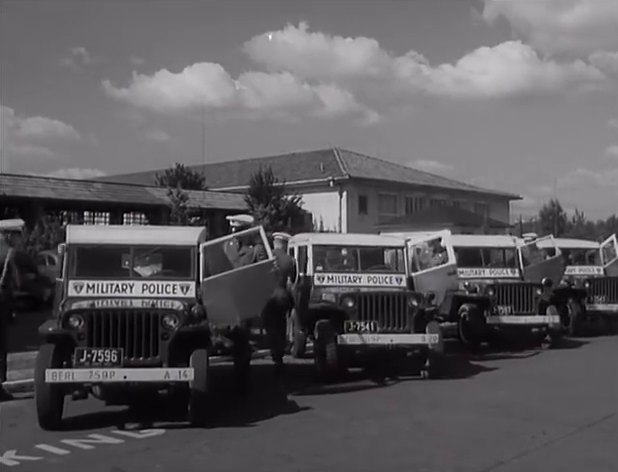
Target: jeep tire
<point>49,397</point>
<point>326,352</point>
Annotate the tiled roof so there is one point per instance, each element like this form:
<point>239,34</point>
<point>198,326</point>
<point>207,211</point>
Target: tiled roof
<point>320,165</point>
<point>444,215</point>
<point>29,186</point>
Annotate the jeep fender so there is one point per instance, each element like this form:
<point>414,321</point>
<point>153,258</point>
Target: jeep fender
<point>52,333</point>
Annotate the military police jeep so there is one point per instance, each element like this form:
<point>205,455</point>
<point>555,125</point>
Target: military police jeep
<point>127,321</point>
<point>433,268</point>
<point>352,298</point>
<point>517,277</point>
<point>590,282</point>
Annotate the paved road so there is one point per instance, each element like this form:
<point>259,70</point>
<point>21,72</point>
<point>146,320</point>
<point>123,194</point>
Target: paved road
<point>550,411</point>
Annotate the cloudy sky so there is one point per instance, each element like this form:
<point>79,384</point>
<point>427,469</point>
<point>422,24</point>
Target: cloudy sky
<point>518,95</point>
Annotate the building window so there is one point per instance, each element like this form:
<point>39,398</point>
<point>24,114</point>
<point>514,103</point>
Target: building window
<point>414,205</point>
<point>457,203</point>
<point>437,203</point>
<point>362,205</point>
<point>387,205</point>
<point>96,217</point>
<point>134,218</point>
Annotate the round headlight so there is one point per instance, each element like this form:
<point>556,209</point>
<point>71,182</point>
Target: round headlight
<point>466,285</point>
<point>587,284</point>
<point>198,311</point>
<point>75,321</point>
<point>491,291</point>
<point>348,302</point>
<point>547,282</point>
<point>170,321</point>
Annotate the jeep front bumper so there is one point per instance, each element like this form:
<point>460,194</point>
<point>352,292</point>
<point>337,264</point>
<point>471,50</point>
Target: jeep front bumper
<point>514,320</point>
<point>602,308</point>
<point>366,339</point>
<point>119,375</point>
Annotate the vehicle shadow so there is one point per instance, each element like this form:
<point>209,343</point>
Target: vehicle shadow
<point>267,398</point>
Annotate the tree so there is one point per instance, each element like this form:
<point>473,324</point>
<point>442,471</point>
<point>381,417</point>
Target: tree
<point>46,234</point>
<point>553,219</point>
<point>181,176</point>
<point>270,203</point>
<point>176,179</point>
<point>179,214</point>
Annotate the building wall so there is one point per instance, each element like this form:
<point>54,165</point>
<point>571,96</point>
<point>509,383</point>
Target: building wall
<point>326,206</point>
<point>386,201</point>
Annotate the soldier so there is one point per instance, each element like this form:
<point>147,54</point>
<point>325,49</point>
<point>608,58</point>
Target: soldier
<point>275,312</point>
<point>10,231</point>
<point>242,251</point>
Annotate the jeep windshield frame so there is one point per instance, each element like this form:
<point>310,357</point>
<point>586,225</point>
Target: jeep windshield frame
<point>485,257</point>
<point>131,262</point>
<point>349,258</point>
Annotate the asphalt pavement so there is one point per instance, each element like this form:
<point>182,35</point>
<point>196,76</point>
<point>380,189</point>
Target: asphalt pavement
<point>507,412</point>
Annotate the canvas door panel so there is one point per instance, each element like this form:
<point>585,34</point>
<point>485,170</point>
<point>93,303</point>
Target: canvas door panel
<point>240,294</point>
<point>429,275</point>
<point>609,255</point>
<point>540,262</point>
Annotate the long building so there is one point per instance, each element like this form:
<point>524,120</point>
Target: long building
<point>351,192</point>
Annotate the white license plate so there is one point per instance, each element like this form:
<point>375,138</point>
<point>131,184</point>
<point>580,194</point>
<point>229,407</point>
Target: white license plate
<point>185,374</point>
<point>352,326</point>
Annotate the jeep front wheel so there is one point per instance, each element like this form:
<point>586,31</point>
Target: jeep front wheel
<point>199,398</point>
<point>49,397</point>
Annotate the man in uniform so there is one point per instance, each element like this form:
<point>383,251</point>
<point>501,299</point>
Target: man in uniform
<point>275,312</point>
<point>10,232</point>
<point>241,251</point>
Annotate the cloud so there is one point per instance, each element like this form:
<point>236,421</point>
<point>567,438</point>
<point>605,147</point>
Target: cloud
<point>255,94</point>
<point>507,69</point>
<point>612,153</point>
<point>77,173</point>
<point>136,61</point>
<point>572,27</point>
<point>40,127</point>
<point>432,166</point>
<point>613,123</point>
<point>157,135</point>
<point>78,58</point>
<point>29,150</point>
<point>24,137</point>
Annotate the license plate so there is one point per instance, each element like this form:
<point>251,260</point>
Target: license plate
<point>351,326</point>
<point>504,310</point>
<point>98,357</point>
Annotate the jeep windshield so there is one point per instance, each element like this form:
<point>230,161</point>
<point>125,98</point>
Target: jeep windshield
<point>581,257</point>
<point>358,259</point>
<point>132,262</point>
<point>486,258</point>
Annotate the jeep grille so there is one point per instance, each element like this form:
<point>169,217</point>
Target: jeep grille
<point>521,296</point>
<point>606,287</point>
<point>390,310</point>
<point>137,332</point>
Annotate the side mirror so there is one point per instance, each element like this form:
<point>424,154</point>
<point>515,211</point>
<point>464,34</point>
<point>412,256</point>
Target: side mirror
<point>62,247</point>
